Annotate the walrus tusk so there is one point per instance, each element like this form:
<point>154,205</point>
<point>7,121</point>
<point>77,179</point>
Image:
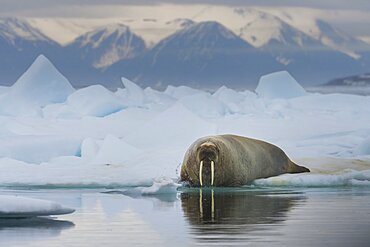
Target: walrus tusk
<point>200,173</point>
<point>212,172</point>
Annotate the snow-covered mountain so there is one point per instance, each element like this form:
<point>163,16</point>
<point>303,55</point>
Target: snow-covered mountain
<point>107,45</point>
<point>309,57</point>
<point>20,44</point>
<point>205,54</point>
<point>14,31</point>
<point>218,45</point>
<point>351,81</point>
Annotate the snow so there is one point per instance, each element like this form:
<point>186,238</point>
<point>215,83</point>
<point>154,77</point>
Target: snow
<point>279,85</point>
<point>17,206</point>
<point>42,84</point>
<point>109,151</point>
<point>161,185</point>
<point>347,177</point>
<point>134,95</point>
<point>94,100</point>
<point>37,149</point>
<point>363,148</point>
<point>138,137</point>
<point>181,91</point>
<point>205,105</point>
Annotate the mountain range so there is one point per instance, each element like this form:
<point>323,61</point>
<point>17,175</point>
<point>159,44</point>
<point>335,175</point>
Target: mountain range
<point>204,54</point>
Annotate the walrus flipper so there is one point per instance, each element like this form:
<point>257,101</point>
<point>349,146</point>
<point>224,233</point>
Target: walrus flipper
<point>294,168</point>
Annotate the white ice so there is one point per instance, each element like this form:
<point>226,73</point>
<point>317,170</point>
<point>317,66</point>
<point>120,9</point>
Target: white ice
<point>279,85</point>
<point>21,207</point>
<point>135,136</point>
<point>40,85</point>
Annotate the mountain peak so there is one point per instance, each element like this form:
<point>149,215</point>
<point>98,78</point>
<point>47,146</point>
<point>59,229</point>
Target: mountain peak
<point>12,28</point>
<point>340,41</point>
<point>109,44</point>
<point>95,37</point>
<point>207,30</point>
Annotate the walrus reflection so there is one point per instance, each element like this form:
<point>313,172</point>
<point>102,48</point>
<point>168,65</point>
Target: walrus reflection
<point>209,211</point>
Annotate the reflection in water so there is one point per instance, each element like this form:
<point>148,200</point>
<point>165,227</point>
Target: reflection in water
<point>21,231</point>
<point>35,222</point>
<point>227,216</point>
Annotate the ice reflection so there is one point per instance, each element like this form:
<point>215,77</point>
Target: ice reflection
<point>21,231</point>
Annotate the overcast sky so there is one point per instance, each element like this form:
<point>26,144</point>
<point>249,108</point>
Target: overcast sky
<point>21,5</point>
<point>357,22</point>
<point>40,7</point>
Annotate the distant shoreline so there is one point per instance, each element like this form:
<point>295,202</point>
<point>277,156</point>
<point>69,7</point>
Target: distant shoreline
<point>356,90</point>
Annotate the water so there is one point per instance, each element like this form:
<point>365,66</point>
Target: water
<point>192,217</point>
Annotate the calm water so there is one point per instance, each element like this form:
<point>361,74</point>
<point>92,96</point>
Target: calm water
<point>247,217</point>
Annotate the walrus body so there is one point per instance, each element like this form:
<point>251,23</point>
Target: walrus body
<point>230,160</point>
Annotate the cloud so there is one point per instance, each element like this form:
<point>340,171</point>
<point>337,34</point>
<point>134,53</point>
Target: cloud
<point>69,7</point>
<point>353,16</point>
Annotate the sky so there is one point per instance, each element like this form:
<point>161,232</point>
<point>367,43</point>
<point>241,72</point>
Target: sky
<point>353,17</point>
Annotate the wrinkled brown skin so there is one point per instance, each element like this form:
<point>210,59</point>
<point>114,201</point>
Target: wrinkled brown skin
<point>238,161</point>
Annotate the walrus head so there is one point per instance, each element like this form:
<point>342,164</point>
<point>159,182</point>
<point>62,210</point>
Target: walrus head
<point>201,164</point>
<point>207,155</point>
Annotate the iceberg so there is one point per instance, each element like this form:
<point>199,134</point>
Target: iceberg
<point>36,149</point>
<point>204,105</point>
<point>279,85</point>
<point>237,102</point>
<point>133,95</point>
<point>94,100</point>
<point>23,207</point>
<point>40,85</point>
<point>176,126</point>
<point>110,151</point>
<point>181,91</point>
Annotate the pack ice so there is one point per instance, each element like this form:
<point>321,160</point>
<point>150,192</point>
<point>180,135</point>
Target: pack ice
<point>54,135</point>
<point>23,207</point>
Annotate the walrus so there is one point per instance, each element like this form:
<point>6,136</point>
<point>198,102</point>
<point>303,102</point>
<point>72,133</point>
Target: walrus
<point>231,160</point>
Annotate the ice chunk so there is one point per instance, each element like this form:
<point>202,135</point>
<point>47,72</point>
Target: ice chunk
<point>205,105</point>
<point>175,126</point>
<point>37,149</point>
<point>110,151</point>
<point>162,185</point>
<point>363,148</point>
<point>20,207</point>
<point>95,101</point>
<point>181,91</point>
<point>40,85</point>
<point>343,178</point>
<point>4,89</point>
<point>133,95</point>
<point>235,101</point>
<point>158,100</point>
<point>89,148</point>
<point>279,85</point>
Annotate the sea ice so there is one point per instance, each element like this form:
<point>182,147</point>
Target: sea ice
<point>176,126</point>
<point>133,136</point>
<point>204,105</point>
<point>110,151</point>
<point>20,207</point>
<point>95,101</point>
<point>279,85</point>
<point>133,95</point>
<point>40,85</point>
<point>181,91</point>
<point>37,149</point>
